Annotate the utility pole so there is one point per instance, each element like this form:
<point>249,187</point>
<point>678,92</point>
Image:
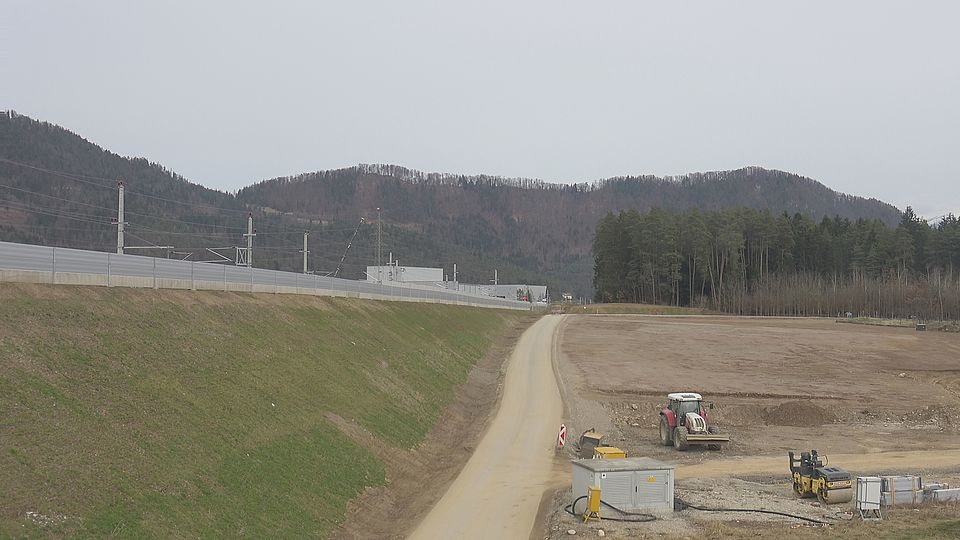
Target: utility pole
<point>120,222</point>
<point>305,251</point>
<point>379,248</point>
<point>455,274</point>
<point>250,234</point>
<point>496,277</point>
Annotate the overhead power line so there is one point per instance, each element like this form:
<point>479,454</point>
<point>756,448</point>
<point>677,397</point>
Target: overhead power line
<point>43,228</point>
<point>56,198</point>
<point>194,223</point>
<point>86,179</point>
<point>76,217</point>
<point>221,232</point>
<point>82,178</point>
<point>127,211</point>
<point>194,205</point>
<point>221,235</point>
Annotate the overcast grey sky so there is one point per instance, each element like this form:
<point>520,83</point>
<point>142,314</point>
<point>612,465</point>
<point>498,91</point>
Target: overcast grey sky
<point>863,96</point>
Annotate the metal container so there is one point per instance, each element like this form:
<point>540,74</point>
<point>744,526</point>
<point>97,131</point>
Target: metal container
<point>608,452</point>
<point>629,484</point>
<point>945,495</point>
<point>868,493</point>
<point>901,483</point>
<point>893,498</point>
<point>932,486</point>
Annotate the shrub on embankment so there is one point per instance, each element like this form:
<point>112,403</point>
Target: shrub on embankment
<point>144,413</point>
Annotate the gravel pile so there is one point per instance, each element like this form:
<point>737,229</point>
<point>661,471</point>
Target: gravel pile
<point>798,414</point>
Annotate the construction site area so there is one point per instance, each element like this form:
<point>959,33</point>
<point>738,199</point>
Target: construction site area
<point>873,401</point>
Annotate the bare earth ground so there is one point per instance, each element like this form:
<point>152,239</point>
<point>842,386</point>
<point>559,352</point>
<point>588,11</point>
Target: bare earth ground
<point>417,478</point>
<point>876,400</point>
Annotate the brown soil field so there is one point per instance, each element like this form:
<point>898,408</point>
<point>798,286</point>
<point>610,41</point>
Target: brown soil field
<point>875,400</point>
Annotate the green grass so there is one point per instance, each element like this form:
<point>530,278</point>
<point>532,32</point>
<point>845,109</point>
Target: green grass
<point>172,414</point>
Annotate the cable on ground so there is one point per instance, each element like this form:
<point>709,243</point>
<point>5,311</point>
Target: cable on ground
<point>640,517</point>
<point>683,505</point>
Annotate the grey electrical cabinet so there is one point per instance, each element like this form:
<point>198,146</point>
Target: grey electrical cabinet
<point>628,484</point>
<point>868,497</point>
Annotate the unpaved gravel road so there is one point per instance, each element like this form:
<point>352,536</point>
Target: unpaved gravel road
<point>498,493</point>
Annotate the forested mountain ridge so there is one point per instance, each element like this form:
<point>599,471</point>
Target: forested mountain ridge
<point>60,189</point>
<point>752,187</point>
<point>547,228</point>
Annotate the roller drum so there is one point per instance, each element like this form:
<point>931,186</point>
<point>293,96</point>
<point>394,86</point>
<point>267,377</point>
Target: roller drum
<point>836,496</point>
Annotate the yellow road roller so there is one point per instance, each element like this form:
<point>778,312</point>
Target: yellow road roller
<point>811,478</point>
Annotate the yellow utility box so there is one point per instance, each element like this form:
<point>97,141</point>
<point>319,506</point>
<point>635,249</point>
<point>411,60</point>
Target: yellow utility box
<point>593,504</point>
<point>608,452</point>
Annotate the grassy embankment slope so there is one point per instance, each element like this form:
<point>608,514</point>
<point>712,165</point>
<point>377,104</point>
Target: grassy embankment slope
<point>142,413</point>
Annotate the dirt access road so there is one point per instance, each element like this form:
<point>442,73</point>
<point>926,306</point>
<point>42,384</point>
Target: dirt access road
<point>498,493</point>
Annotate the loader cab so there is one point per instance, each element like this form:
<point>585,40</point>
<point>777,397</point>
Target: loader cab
<point>681,408</point>
<point>683,403</point>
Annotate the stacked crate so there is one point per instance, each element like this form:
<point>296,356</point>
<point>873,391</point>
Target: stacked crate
<point>898,490</point>
<point>939,492</point>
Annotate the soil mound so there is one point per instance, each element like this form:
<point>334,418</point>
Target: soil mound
<point>949,327</point>
<point>798,414</point>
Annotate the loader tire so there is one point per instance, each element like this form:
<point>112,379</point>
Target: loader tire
<point>680,438</point>
<point>714,447</point>
<point>665,438</point>
<point>713,430</point>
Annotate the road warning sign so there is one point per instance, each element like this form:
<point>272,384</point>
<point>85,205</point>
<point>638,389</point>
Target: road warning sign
<point>562,438</point>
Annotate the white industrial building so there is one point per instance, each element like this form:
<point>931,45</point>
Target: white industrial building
<point>512,291</point>
<point>420,275</point>
<point>406,274</point>
<point>517,291</point>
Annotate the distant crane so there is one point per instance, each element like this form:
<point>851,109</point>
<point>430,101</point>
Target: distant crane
<point>336,273</point>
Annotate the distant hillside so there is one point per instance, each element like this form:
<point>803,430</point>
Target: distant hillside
<point>57,188</point>
<point>40,204</point>
<point>529,230</point>
<point>547,228</point>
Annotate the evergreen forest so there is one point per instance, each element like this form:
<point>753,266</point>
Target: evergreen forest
<point>752,262</point>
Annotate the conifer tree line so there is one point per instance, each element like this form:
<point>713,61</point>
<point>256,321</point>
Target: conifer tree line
<point>751,262</point>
